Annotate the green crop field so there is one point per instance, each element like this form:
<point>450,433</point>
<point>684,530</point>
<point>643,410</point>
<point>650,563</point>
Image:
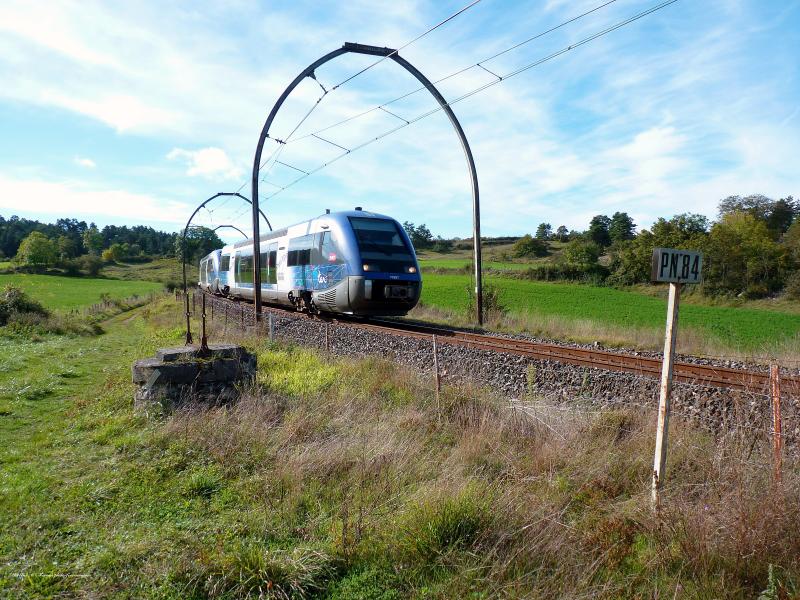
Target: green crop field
<point>744,328</point>
<point>56,292</point>
<point>460,263</point>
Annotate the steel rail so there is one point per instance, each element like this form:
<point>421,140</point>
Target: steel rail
<point>646,366</point>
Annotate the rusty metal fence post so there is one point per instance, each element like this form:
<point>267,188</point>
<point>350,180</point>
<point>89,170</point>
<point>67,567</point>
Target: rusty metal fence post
<point>438,378</point>
<point>777,440</point>
<point>203,336</point>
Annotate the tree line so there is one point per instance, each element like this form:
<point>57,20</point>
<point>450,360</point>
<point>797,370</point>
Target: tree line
<point>752,250</point>
<point>77,246</point>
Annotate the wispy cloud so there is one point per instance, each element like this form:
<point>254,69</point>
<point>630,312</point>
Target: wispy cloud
<point>211,163</point>
<point>87,163</point>
<point>666,115</point>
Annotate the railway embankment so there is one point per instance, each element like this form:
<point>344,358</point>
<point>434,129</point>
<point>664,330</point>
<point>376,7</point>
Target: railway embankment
<point>534,380</point>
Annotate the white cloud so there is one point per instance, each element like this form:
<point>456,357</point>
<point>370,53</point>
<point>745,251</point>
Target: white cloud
<point>71,198</point>
<point>84,162</point>
<point>211,163</point>
<point>666,115</point>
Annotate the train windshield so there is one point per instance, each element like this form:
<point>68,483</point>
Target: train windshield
<point>381,245</point>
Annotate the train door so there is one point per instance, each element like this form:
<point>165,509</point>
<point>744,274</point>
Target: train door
<point>224,266</point>
<point>244,272</point>
<point>269,271</point>
<point>298,259</point>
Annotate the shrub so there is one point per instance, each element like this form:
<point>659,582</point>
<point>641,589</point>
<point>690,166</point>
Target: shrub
<point>582,253</point>
<point>91,264</point>
<point>792,287</point>
<point>529,246</point>
<point>71,266</point>
<point>492,302</point>
<point>14,301</point>
<point>441,245</point>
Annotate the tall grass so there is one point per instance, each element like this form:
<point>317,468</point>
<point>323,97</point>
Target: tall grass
<point>380,491</point>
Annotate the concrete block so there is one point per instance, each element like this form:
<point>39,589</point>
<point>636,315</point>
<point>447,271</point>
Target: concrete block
<point>178,375</point>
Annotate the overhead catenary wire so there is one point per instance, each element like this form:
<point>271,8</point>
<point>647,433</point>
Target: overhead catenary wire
<point>478,64</point>
<point>502,78</point>
<point>407,44</point>
<point>326,91</point>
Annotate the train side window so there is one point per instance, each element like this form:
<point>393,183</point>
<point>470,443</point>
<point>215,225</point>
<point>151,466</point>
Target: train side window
<point>225,262</point>
<point>244,268</point>
<point>300,251</point>
<point>273,264</point>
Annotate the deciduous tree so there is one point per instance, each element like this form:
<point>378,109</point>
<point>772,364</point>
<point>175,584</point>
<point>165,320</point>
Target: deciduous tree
<point>37,250</point>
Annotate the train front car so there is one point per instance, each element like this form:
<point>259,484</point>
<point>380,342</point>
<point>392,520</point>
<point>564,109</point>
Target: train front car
<point>353,262</point>
<point>386,278</point>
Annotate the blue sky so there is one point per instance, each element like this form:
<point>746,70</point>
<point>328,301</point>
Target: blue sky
<point>133,113</point>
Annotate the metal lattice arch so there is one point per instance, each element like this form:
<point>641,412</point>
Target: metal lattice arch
<point>309,72</point>
<point>257,211</point>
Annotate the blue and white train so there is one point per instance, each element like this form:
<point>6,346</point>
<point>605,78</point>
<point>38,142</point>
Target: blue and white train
<point>352,262</point>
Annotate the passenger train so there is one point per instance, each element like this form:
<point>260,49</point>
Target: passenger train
<point>352,262</point>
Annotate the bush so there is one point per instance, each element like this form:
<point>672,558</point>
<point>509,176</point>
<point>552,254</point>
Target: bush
<point>529,246</point>
<point>71,266</point>
<point>91,264</point>
<point>582,253</point>
<point>595,274</point>
<point>792,287</point>
<point>14,301</point>
<point>441,245</point>
<point>493,305</point>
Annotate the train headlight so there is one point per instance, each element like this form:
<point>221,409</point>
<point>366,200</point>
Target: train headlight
<point>411,269</point>
<point>367,267</point>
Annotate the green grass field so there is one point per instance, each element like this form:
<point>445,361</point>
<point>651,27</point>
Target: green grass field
<point>56,292</point>
<point>159,269</point>
<point>460,263</point>
<point>748,329</point>
<point>343,479</point>
<point>5,265</point>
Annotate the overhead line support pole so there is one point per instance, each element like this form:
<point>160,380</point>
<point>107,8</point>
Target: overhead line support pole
<point>445,106</point>
<point>256,211</point>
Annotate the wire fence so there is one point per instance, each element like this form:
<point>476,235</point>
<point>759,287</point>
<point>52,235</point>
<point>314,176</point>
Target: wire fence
<point>769,418</point>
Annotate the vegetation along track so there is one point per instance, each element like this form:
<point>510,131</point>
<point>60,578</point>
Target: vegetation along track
<point>684,372</point>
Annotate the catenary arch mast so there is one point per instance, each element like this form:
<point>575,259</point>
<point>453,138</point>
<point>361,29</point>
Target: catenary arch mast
<point>309,72</point>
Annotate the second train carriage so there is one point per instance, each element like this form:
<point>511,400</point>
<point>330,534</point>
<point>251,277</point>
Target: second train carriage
<point>353,262</point>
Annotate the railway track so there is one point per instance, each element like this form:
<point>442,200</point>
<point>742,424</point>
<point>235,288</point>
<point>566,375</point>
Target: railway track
<point>685,372</point>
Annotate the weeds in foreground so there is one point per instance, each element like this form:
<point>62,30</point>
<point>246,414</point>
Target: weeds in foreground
<point>355,485</point>
<point>487,499</point>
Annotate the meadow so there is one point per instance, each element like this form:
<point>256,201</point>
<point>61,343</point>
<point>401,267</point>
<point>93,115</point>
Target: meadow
<point>57,292</point>
<point>347,479</point>
<point>731,328</point>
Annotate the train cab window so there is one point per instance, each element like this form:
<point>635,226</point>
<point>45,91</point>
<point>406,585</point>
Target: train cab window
<point>244,268</point>
<point>299,253</point>
<point>378,235</point>
<point>225,262</point>
<point>326,251</point>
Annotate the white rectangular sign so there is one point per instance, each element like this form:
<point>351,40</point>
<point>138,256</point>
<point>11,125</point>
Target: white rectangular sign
<point>677,266</point>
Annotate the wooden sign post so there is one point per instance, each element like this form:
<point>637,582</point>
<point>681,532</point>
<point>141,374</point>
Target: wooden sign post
<point>675,267</point>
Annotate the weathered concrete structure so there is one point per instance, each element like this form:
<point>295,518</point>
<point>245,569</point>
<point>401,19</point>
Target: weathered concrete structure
<point>177,376</point>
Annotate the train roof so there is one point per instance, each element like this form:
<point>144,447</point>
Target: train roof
<point>337,217</point>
